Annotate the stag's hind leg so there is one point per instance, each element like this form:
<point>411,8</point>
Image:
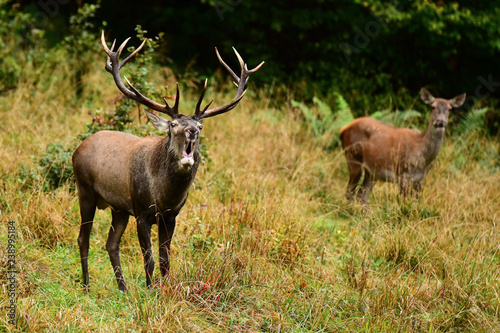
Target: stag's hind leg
<point>88,204</point>
<point>118,226</point>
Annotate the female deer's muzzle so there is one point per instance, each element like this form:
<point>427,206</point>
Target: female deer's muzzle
<point>440,124</point>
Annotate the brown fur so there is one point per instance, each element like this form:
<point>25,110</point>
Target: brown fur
<point>386,153</point>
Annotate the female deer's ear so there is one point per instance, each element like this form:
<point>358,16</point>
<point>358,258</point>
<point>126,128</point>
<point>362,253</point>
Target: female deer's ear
<point>426,96</point>
<point>457,101</point>
<point>158,122</point>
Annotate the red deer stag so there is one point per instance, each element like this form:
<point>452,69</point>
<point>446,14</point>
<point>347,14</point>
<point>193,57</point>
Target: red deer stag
<point>148,178</point>
<point>400,155</point>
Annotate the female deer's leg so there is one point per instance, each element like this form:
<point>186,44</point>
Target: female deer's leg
<point>355,171</point>
<point>366,187</point>
<point>416,189</point>
<point>354,158</point>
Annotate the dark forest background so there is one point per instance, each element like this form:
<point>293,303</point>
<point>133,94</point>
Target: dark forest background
<point>374,53</point>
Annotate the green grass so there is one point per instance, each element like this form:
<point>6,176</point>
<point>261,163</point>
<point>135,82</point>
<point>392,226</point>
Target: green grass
<point>266,241</point>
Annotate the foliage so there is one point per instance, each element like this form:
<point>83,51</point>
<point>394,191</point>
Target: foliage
<point>472,122</point>
<point>55,165</point>
<point>468,146</point>
<point>81,42</point>
<point>323,122</point>
<point>20,44</point>
<point>398,118</point>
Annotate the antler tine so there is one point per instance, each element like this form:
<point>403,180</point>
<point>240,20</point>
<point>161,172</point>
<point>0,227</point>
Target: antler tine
<point>108,52</point>
<point>176,104</point>
<point>240,83</point>
<point>226,66</point>
<point>197,111</point>
<point>177,94</point>
<point>256,68</point>
<point>206,106</point>
<point>222,109</point>
<point>244,69</point>
<point>113,66</point>
<point>133,53</point>
<point>120,49</point>
<point>242,65</point>
<point>103,42</point>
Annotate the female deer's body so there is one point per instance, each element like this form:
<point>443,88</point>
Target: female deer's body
<point>386,153</point>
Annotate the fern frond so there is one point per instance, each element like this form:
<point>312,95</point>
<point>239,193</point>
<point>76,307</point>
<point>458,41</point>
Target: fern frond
<point>473,122</point>
<point>398,118</point>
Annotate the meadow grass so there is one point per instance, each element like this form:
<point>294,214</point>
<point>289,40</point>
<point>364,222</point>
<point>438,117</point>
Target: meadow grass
<point>266,240</point>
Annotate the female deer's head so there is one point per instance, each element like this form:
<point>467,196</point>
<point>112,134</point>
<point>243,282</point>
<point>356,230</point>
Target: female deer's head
<point>441,108</point>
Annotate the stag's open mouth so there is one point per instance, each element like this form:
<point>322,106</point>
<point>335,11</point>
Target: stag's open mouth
<point>187,154</point>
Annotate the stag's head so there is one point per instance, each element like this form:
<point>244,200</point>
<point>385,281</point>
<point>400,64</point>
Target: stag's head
<point>183,130</point>
<point>441,108</point>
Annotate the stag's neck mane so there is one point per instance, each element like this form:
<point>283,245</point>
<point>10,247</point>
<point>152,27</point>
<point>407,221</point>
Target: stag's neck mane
<point>165,163</point>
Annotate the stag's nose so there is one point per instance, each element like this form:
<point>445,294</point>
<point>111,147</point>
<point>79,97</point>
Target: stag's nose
<point>192,133</point>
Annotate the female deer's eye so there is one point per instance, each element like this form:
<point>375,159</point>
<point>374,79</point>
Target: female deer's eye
<point>174,124</point>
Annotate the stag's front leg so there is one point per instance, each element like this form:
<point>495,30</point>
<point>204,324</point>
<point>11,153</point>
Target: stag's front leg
<point>166,228</point>
<point>118,226</point>
<point>144,234</point>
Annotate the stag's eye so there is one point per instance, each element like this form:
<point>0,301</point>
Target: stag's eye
<point>200,127</point>
<point>174,124</point>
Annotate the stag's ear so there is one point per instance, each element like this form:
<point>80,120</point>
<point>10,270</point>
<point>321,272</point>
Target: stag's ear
<point>158,122</point>
<point>426,96</point>
<point>457,101</point>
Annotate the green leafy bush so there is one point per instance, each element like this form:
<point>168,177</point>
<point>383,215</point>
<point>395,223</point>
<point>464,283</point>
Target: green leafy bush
<point>323,122</point>
<point>20,44</point>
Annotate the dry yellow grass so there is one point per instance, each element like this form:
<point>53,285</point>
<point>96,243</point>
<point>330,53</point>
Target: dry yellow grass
<point>266,241</point>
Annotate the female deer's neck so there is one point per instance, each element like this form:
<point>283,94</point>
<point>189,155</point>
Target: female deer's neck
<point>432,141</point>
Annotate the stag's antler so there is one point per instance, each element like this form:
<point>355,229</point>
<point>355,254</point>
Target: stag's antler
<point>113,66</point>
<point>240,83</point>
